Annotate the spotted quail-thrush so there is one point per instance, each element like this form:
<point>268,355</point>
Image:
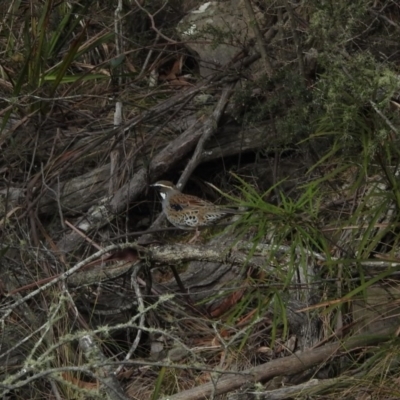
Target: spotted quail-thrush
<point>189,212</point>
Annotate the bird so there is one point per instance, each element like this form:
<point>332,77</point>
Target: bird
<point>189,212</point>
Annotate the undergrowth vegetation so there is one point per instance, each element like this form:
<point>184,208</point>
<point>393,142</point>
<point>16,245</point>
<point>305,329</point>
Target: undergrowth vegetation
<point>47,50</point>
<point>327,248</point>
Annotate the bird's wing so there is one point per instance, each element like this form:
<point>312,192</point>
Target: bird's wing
<point>193,201</point>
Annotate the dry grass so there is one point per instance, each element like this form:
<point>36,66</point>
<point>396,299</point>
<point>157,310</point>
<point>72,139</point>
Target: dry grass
<point>336,235</point>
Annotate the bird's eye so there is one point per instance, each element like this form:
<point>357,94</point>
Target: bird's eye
<point>176,207</point>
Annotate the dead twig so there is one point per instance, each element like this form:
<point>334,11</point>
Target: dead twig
<point>259,38</point>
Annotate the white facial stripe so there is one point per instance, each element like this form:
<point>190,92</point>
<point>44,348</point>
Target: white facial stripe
<point>160,185</point>
<point>163,195</point>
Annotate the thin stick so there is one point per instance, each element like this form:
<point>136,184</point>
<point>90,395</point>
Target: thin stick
<point>209,128</point>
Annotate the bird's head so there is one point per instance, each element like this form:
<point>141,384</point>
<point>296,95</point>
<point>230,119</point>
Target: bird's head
<point>165,188</point>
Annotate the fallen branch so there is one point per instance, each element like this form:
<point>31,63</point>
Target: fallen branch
<point>283,366</point>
